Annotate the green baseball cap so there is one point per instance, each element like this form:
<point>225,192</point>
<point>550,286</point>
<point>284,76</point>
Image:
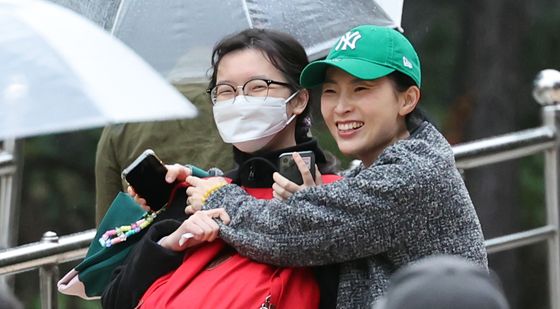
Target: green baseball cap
<point>366,52</point>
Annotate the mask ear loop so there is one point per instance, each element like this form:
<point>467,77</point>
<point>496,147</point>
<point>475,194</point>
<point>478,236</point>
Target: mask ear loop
<point>287,101</point>
<point>291,119</point>
<point>292,96</point>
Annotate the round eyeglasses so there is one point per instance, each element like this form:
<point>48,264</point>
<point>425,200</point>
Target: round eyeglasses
<point>253,88</point>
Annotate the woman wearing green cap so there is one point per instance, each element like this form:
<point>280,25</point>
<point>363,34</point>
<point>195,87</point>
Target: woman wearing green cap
<point>406,201</point>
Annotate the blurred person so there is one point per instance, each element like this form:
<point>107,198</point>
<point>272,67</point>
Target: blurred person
<point>443,282</point>
<point>193,141</point>
<point>8,300</point>
<point>404,202</point>
<point>260,108</point>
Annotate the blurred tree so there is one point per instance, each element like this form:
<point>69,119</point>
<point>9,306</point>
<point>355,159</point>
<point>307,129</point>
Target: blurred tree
<point>491,69</point>
<point>57,195</point>
<point>479,59</point>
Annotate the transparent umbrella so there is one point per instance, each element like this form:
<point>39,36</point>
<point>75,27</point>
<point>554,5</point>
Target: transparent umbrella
<point>60,72</point>
<point>177,36</point>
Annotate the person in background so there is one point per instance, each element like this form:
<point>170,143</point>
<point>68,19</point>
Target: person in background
<point>193,141</point>
<point>443,282</point>
<point>405,201</point>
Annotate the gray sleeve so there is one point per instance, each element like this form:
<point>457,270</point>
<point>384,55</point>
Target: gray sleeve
<point>348,219</point>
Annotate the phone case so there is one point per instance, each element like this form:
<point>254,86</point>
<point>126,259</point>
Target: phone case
<point>146,175</point>
<point>288,168</point>
<point>137,161</point>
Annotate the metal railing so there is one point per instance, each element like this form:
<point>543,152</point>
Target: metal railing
<point>9,193</point>
<point>53,250</point>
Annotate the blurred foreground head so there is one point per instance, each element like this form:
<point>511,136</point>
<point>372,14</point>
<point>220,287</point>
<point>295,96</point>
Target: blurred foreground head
<point>443,282</point>
<point>8,300</point>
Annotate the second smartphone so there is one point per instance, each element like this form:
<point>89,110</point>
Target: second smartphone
<point>287,167</point>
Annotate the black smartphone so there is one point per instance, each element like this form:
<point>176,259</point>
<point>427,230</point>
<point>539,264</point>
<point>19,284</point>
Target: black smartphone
<point>287,167</point>
<point>146,175</point>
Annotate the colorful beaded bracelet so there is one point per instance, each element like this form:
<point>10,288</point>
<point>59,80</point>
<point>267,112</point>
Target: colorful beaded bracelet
<point>120,234</point>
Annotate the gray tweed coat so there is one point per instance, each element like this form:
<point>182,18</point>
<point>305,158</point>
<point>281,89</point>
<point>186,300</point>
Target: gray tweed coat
<point>409,204</point>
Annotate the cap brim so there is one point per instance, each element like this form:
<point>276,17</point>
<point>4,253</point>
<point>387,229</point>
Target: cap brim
<point>314,73</point>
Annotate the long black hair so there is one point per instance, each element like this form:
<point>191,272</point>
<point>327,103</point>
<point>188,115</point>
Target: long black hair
<point>284,52</point>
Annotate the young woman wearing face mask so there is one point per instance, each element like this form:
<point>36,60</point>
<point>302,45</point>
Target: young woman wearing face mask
<point>405,202</point>
<point>260,108</point>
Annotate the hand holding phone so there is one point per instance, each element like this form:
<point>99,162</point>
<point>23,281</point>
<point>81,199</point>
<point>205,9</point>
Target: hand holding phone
<point>146,175</point>
<point>288,168</point>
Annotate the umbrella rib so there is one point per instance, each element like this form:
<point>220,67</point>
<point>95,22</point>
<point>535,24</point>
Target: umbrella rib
<point>117,17</point>
<point>246,9</point>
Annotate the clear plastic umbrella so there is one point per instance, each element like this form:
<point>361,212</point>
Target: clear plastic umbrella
<point>60,72</point>
<point>177,36</point>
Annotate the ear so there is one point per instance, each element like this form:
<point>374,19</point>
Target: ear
<point>299,102</point>
<point>410,99</point>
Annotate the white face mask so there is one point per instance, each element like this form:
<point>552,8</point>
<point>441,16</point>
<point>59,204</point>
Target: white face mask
<point>251,122</point>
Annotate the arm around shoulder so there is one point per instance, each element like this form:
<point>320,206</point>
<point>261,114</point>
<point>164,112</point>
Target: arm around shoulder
<point>319,225</point>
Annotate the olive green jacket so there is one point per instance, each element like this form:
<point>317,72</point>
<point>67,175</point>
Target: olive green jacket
<point>194,141</point>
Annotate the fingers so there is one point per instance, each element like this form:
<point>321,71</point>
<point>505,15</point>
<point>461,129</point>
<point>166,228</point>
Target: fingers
<point>283,186</point>
<point>191,190</point>
<point>206,182</point>
<point>218,213</point>
<point>276,196</point>
<point>190,200</point>
<point>318,178</point>
<point>197,190</point>
<point>131,191</point>
<point>191,226</point>
<point>207,226</point>
<point>194,200</point>
<point>194,181</point>
<point>177,172</point>
<point>308,180</point>
<point>140,201</point>
<point>189,210</point>
<point>172,173</point>
<point>202,225</point>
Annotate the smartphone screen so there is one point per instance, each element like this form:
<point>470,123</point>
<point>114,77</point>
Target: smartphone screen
<point>146,175</point>
<point>288,168</point>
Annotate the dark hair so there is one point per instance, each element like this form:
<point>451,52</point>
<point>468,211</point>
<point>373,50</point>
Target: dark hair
<point>284,52</point>
<point>401,81</point>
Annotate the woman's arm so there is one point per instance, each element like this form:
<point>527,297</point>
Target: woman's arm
<point>346,220</point>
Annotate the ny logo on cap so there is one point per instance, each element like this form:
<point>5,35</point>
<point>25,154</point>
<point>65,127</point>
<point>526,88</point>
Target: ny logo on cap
<point>349,39</point>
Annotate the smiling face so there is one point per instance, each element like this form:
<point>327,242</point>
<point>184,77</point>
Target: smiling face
<point>365,116</point>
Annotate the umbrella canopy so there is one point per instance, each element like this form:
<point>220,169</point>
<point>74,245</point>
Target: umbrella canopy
<point>61,72</point>
<point>176,37</point>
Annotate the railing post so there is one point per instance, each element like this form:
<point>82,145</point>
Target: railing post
<point>547,92</point>
<point>48,276</point>
<point>10,171</point>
